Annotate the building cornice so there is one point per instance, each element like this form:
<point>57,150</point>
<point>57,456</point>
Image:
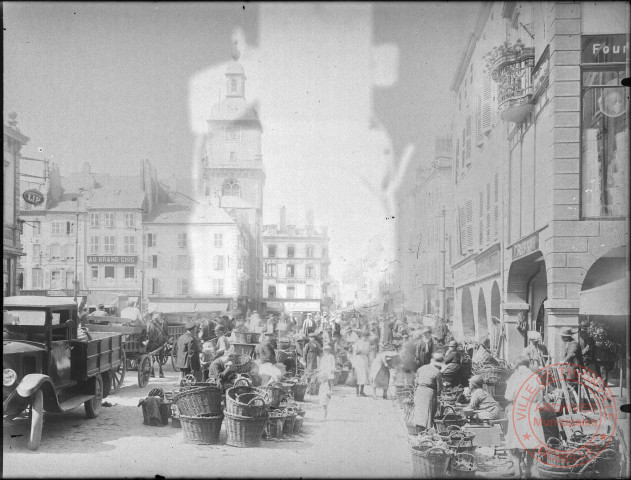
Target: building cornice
<point>483,15</point>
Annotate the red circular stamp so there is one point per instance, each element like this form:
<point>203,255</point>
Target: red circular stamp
<point>564,415</point>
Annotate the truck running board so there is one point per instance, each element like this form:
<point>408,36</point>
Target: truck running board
<point>74,402</point>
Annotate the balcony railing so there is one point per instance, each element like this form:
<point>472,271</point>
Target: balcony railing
<point>513,73</point>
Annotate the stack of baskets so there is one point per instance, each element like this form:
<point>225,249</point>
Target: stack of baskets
<point>246,415</point>
<point>430,461</point>
<point>298,388</point>
<point>247,337</point>
<point>240,363</point>
<point>463,465</point>
<point>272,394</point>
<point>200,413</point>
<point>449,419</point>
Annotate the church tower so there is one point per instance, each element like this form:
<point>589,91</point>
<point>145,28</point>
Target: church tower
<point>232,161</point>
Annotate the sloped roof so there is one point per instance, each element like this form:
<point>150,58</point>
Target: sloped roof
<point>197,214</point>
<point>116,198</point>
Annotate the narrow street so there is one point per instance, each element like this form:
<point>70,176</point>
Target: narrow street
<point>362,437</point>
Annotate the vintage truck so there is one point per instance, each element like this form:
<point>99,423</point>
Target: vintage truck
<point>46,367</point>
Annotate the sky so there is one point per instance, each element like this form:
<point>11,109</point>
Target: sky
<point>344,92</point>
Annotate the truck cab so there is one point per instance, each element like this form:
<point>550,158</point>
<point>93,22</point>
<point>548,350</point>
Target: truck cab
<point>46,366</point>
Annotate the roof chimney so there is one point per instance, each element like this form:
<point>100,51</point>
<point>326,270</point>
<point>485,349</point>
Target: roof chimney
<point>283,219</point>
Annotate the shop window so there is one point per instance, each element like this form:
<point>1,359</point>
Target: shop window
<point>605,143</point>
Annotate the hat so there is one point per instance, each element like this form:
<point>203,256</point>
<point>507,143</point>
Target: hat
<point>567,332</point>
<point>100,305</point>
<point>453,343</point>
<point>301,338</point>
<point>477,380</point>
<point>190,325</point>
<point>311,335</point>
<point>220,328</point>
<point>534,335</point>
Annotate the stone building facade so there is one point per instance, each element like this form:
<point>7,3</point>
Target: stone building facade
<point>541,184</point>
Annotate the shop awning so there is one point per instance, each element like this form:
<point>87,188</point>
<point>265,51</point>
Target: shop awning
<point>166,307</point>
<point>609,299</point>
<point>208,307</point>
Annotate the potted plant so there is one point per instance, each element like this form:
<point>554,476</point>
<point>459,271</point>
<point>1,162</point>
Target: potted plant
<point>506,52</point>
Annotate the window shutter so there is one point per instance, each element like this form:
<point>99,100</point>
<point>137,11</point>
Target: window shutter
<point>468,141</point>
<point>487,104</point>
<point>481,221</point>
<point>497,206</point>
<point>469,223</point>
<point>479,134</point>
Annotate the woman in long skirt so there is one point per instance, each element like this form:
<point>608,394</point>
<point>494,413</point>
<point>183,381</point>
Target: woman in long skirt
<point>429,383</point>
<point>360,362</point>
<point>380,373</point>
<point>519,437</point>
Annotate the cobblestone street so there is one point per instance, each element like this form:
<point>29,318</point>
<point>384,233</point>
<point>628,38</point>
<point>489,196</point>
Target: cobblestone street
<point>361,437</point>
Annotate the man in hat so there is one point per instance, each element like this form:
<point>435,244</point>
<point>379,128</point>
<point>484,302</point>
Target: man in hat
<point>223,344</point>
<point>571,355</point>
<point>221,369</point>
<point>264,351</point>
<point>100,311</point>
<point>309,325</point>
<point>451,372</point>
<point>425,347</point>
<point>188,351</point>
<point>131,312</point>
<point>311,353</point>
<point>586,342</point>
<point>536,352</point>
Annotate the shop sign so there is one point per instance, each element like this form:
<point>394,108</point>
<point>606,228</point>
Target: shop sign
<point>488,265</point>
<point>66,293</point>
<point>302,306</point>
<point>526,246</point>
<point>289,280</point>
<point>276,305</point>
<point>112,258</point>
<point>604,48</point>
<point>34,197</point>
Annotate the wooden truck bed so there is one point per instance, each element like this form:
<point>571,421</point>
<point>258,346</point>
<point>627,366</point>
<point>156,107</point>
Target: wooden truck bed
<point>101,354</point>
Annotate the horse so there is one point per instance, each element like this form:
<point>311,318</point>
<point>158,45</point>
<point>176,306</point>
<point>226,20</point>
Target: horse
<point>157,337</point>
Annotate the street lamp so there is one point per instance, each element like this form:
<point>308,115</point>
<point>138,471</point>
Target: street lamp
<point>76,246</point>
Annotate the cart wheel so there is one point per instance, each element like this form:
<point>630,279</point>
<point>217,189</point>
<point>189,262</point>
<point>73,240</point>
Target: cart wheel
<point>37,420</point>
<point>93,406</point>
<point>117,374</point>
<point>144,370</point>
<point>163,358</point>
<point>174,357</point>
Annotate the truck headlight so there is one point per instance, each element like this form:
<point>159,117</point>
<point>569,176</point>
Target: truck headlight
<point>8,377</point>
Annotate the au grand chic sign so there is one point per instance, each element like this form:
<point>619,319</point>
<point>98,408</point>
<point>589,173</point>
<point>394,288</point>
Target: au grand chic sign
<point>112,258</point>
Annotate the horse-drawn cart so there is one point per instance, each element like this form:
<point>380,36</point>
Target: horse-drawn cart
<point>135,355</point>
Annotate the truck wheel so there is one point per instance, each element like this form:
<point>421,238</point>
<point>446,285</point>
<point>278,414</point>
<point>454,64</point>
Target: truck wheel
<point>93,406</point>
<point>37,420</point>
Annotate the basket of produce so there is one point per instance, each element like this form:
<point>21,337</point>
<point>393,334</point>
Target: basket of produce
<point>284,343</point>
<point>430,463</point>
<point>246,401</point>
<point>199,401</point>
<point>242,337</point>
<point>461,442</point>
<point>290,420</point>
<point>281,356</point>
<point>254,337</point>
<point>244,348</point>
<point>242,379</point>
<point>449,419</point>
<point>299,390</point>
<point>272,394</point>
<point>244,431</point>
<point>463,465</point>
<point>240,363</point>
<point>201,429</point>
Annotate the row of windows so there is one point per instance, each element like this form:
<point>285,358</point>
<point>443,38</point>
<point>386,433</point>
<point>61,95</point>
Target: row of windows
<point>108,273</point>
<point>108,244</point>
<point>154,286</point>
<point>291,291</point>
<point>182,262</point>
<point>274,252</point>
<point>151,240</point>
<point>56,252</point>
<point>271,269</point>
<point>108,219</point>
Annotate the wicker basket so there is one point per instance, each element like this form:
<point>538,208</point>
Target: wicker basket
<point>281,356</point>
<point>203,430</point>
<point>290,421</point>
<point>240,363</point>
<point>298,423</point>
<point>272,394</point>
<point>254,337</point>
<point>244,349</point>
<point>299,390</point>
<point>245,401</point>
<point>244,431</point>
<point>464,465</point>
<point>199,401</point>
<point>274,427</point>
<point>431,463</point>
<point>450,419</point>
<point>242,337</point>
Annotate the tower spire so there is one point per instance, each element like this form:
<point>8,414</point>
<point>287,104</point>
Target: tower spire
<point>235,53</point>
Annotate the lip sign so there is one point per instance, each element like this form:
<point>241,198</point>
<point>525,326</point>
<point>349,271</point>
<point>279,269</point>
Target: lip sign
<point>526,411</point>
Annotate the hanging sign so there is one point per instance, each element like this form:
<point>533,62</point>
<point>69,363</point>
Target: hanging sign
<point>34,197</point>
